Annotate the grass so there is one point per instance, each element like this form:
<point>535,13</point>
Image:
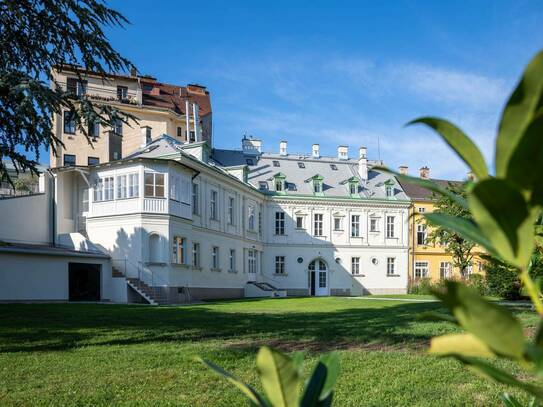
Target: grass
<point>91,354</point>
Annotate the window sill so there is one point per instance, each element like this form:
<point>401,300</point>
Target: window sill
<point>339,230</point>
<point>197,268</point>
<point>154,197</point>
<point>375,232</point>
<point>232,271</point>
<point>300,229</point>
<point>358,275</point>
<point>215,270</point>
<point>280,274</point>
<point>280,234</point>
<point>155,263</point>
<point>180,265</point>
<point>393,275</point>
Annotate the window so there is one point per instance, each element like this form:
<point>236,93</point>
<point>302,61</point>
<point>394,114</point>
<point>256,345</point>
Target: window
<point>391,263</point>
<point>250,161</point>
<point>355,266</point>
<point>260,222</point>
<point>133,185</point>
<point>69,123</point>
<point>279,264</point>
<point>317,186</point>
<point>122,189</point>
<point>179,250</point>
<point>322,279</point>
<point>469,269</point>
<point>154,185</point>
<point>337,223</point>
<point>276,163</point>
<point>147,87</point>
<point>388,191</point>
<point>122,93</point>
<point>251,261</point>
<point>213,205</point>
<point>76,87</point>
<point>215,258</point>
<point>69,160</point>
<point>251,222</point>
<point>333,167</point>
<point>355,226</point>
<point>421,269</point>
<point>192,136</point>
<point>127,186</point>
<point>279,185</point>
<point>231,210</point>
<point>422,210</point>
<point>317,224</point>
<point>195,199</point>
<point>232,260</point>
<point>196,255</point>
<point>390,227</point>
<point>180,132</point>
<point>299,222</point>
<point>262,185</point>
<point>353,188</point>
<point>301,165</point>
<point>373,225</point>
<point>279,223</point>
<point>444,269</point>
<point>421,235</point>
<point>118,127</point>
<point>103,189</point>
<point>94,129</point>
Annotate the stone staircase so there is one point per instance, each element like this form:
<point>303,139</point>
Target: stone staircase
<point>152,295</point>
<point>262,289</point>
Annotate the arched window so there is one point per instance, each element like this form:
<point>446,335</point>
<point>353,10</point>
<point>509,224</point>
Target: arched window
<point>154,248</point>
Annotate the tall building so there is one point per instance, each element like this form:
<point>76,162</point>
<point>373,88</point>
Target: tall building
<point>183,112</point>
<point>427,259</point>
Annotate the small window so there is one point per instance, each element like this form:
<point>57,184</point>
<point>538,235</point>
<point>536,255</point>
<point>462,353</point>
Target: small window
<point>355,226</point>
<point>250,161</point>
<point>231,208</point>
<point>232,260</point>
<point>373,225</point>
<point>69,123</point>
<point>301,165</point>
<point>444,270</point>
<point>154,185</point>
<point>215,257</point>
<point>279,185</point>
<point>69,160</point>
<point>333,167</point>
<point>390,227</point>
<point>317,224</point>
<point>421,235</point>
<point>179,250</point>
<point>279,264</point>
<point>251,221</point>
<point>299,222</point>
<point>421,269</point>
<point>93,161</point>
<point>389,191</point>
<point>118,127</point>
<point>180,132</point>
<point>192,136</point>
<point>353,188</point>
<point>263,185</point>
<point>122,93</point>
<point>276,163</point>
<point>213,205</point>
<point>391,266</point>
<point>317,187</point>
<point>147,87</point>
<point>280,223</point>
<point>337,223</point>
<point>355,266</point>
<point>421,210</point>
<point>94,129</point>
<point>196,255</point>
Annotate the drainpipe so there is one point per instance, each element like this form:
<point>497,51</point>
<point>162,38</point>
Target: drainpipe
<point>187,121</point>
<point>52,208</point>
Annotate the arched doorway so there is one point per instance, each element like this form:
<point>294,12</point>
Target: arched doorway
<point>154,248</point>
<point>318,277</point>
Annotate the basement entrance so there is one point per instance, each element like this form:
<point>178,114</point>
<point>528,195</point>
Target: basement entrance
<point>84,281</point>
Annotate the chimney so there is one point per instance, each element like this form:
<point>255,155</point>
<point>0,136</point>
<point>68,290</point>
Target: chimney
<point>251,146</point>
<point>403,169</point>
<point>145,135</point>
<point>195,112</point>
<point>133,71</point>
<point>315,153</point>
<point>425,172</point>
<point>471,176</point>
<point>363,163</point>
<point>283,147</point>
<point>343,152</point>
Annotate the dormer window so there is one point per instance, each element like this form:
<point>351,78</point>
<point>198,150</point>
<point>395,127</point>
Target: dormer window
<point>276,163</point>
<point>353,188</point>
<point>279,182</point>
<point>333,167</point>
<point>316,184</point>
<point>263,185</point>
<point>317,187</point>
<point>250,161</point>
<point>301,165</point>
<point>389,189</point>
<point>352,184</point>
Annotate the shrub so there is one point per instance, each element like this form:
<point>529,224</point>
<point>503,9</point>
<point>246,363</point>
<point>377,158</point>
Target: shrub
<point>502,280</point>
<point>423,286</point>
<point>478,282</point>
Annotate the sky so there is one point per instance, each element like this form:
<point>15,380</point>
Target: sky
<point>341,72</point>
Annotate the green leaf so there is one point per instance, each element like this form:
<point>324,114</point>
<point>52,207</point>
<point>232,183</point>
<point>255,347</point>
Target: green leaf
<point>464,344</point>
<point>428,184</point>
<point>499,375</point>
<point>251,393</point>
<point>279,377</point>
<point>492,324</point>
<point>520,110</point>
<point>314,386</point>
<point>509,401</point>
<point>436,316</point>
<point>526,164</point>
<point>331,361</point>
<point>503,216</point>
<point>465,228</point>
<point>459,142</point>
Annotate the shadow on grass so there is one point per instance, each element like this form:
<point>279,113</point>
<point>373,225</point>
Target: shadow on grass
<point>57,327</point>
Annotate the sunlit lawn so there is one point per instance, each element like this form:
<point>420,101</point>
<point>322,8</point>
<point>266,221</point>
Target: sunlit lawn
<point>86,354</point>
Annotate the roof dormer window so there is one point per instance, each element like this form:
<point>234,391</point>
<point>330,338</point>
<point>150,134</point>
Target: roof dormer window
<point>353,188</point>
<point>279,182</point>
<point>301,165</point>
<point>317,184</point>
<point>333,167</point>
<point>276,163</point>
<point>389,189</point>
<point>250,161</point>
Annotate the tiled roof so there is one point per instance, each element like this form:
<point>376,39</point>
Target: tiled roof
<point>417,192</point>
<point>173,97</point>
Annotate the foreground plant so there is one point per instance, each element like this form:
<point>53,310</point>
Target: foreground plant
<point>506,209</point>
<point>281,379</point>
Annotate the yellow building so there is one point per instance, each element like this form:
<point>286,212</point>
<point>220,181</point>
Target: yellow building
<point>183,112</point>
<point>429,260</point>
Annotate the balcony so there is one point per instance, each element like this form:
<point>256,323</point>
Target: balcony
<point>140,205</point>
<point>104,93</point>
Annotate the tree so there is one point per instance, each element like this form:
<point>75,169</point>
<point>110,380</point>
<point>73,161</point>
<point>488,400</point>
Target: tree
<point>35,37</point>
<point>454,244</point>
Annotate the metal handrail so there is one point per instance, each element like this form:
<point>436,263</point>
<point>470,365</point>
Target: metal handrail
<point>139,270</point>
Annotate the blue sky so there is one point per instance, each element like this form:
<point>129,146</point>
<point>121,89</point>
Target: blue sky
<point>341,72</point>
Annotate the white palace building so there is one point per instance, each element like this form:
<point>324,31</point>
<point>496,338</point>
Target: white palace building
<point>177,221</point>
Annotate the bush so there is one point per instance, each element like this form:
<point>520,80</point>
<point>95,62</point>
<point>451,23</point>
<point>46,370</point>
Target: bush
<point>478,282</point>
<point>502,281</point>
<point>424,286</point>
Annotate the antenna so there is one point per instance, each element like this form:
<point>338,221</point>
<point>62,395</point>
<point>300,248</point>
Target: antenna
<point>378,148</point>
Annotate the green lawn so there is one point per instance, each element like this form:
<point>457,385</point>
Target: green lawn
<point>86,354</point>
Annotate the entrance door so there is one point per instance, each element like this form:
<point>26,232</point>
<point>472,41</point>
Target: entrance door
<point>84,281</point>
<point>318,278</point>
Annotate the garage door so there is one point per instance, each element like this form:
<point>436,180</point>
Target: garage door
<point>84,281</point>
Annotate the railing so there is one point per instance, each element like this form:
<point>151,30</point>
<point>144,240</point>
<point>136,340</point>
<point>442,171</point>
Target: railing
<point>154,205</point>
<point>106,94</point>
<point>140,271</point>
